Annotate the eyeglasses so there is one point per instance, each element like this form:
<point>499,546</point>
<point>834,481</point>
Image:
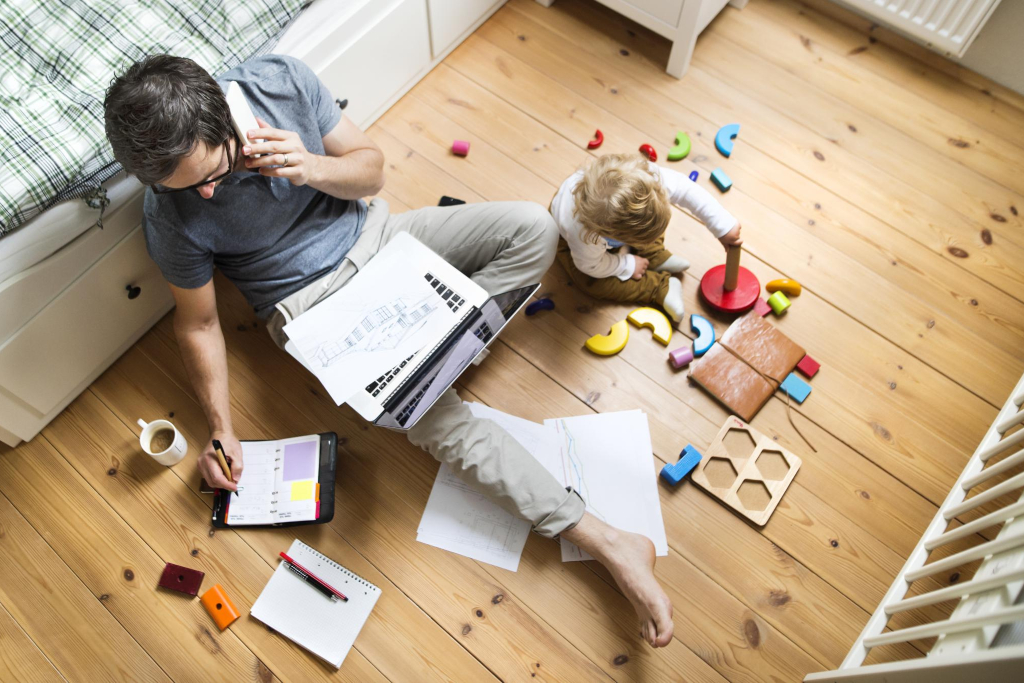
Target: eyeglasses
<point>160,189</point>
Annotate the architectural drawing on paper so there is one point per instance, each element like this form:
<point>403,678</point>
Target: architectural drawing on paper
<point>382,328</point>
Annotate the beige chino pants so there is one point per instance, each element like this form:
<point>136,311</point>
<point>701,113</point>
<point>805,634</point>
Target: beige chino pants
<point>500,246</point>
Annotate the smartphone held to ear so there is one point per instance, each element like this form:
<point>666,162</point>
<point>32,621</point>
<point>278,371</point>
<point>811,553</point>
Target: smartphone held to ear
<point>242,117</point>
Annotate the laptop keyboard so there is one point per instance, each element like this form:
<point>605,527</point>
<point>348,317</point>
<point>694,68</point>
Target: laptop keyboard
<point>407,411</point>
<point>448,295</point>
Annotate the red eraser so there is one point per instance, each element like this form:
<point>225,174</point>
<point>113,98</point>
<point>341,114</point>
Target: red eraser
<point>761,307</point>
<point>460,147</point>
<point>808,366</point>
<point>181,579</point>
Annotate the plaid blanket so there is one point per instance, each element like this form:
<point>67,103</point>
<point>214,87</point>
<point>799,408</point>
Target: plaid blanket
<point>57,58</point>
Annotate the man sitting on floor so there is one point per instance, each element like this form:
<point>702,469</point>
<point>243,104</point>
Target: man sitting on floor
<point>289,229</point>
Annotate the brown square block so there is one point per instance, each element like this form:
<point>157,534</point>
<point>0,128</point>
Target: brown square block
<point>760,344</point>
<point>731,381</point>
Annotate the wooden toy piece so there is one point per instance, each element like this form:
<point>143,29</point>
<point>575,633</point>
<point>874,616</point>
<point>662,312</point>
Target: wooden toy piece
<point>220,607</point>
<point>705,334</point>
<point>778,302</point>
<point>762,346</point>
<point>681,357</point>
<point>597,141</point>
<point>732,381</point>
<point>721,180</point>
<point>694,175</point>
<point>761,307</point>
<point>540,305</point>
<point>746,470</point>
<point>460,148</point>
<point>682,148</point>
<point>714,286</point>
<point>654,319</point>
<point>612,343</point>
<point>674,472</point>
<point>648,152</point>
<point>798,389</point>
<point>725,136</point>
<point>181,579</point>
<point>789,287</point>
<point>808,366</point>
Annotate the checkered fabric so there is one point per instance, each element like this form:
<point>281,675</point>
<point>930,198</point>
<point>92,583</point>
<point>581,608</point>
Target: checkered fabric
<point>57,58</point>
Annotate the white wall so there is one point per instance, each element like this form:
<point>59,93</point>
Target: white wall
<point>998,51</point>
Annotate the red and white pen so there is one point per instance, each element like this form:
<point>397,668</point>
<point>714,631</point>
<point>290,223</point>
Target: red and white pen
<point>313,577</point>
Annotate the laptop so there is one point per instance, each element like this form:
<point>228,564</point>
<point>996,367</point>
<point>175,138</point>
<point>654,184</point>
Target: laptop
<point>400,332</point>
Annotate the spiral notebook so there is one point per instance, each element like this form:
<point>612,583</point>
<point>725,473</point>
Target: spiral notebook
<point>305,616</point>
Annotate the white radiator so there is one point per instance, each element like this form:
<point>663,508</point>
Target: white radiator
<point>946,26</point>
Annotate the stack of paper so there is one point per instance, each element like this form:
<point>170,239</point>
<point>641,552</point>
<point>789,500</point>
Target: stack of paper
<point>606,457</point>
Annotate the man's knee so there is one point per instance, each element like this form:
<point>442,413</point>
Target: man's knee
<point>538,228</point>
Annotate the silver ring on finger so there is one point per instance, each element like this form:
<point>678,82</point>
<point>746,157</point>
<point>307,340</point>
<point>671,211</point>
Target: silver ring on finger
<point>285,162</point>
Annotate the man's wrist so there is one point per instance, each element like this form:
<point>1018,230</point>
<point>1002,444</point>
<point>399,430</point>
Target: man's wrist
<point>315,175</point>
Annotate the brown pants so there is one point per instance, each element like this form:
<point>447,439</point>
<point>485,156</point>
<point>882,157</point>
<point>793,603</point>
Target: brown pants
<point>652,288</point>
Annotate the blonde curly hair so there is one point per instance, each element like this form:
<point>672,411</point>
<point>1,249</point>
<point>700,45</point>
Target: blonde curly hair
<point>620,198</point>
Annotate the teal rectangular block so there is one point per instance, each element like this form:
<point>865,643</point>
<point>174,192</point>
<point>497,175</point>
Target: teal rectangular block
<point>796,387</point>
<point>721,180</point>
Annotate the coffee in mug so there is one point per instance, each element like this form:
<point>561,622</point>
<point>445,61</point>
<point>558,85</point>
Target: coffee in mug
<point>163,441</point>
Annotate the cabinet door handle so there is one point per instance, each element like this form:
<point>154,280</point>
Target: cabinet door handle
<point>133,291</point>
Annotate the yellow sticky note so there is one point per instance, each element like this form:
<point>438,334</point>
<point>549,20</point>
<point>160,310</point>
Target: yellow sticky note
<point>302,490</point>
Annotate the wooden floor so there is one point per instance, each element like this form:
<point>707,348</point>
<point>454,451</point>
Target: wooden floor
<point>891,186</point>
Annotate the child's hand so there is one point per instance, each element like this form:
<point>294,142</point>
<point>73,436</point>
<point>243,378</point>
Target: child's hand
<point>640,268</point>
<point>731,238</point>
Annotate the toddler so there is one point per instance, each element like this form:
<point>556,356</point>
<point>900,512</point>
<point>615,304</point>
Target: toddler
<point>619,205</point>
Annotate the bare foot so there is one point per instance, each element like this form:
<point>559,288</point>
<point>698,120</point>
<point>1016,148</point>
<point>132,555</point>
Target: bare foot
<point>630,559</point>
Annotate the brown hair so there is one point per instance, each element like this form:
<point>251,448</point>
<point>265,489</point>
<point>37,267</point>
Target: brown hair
<point>158,110</point>
<point>620,197</point>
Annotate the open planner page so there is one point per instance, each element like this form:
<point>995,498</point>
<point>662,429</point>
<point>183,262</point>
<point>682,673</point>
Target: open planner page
<point>279,482</point>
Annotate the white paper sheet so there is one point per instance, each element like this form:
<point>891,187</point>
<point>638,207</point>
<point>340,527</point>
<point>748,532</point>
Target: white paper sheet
<point>608,458</point>
<point>386,313</point>
<point>465,522</point>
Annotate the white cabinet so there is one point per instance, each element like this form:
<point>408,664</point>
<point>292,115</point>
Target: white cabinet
<point>450,19</point>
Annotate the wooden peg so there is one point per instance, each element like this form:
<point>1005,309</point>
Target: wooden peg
<point>732,268</point>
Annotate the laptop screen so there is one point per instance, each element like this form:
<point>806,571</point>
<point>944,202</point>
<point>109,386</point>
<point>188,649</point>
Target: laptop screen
<point>454,354</point>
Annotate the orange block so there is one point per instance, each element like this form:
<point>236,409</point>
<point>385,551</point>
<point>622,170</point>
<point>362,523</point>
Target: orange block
<point>220,607</point>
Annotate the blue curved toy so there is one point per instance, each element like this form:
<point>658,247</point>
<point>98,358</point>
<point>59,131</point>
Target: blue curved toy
<point>725,136</point>
<point>693,176</point>
<point>540,305</point>
<point>705,334</point>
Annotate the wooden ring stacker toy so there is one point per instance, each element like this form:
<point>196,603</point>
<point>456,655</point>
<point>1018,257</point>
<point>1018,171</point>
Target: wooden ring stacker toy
<point>730,288</point>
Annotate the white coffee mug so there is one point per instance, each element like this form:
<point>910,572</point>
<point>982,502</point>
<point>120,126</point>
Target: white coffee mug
<point>171,455</point>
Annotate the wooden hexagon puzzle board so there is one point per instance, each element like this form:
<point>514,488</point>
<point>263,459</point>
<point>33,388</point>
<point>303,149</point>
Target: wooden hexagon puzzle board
<point>746,470</point>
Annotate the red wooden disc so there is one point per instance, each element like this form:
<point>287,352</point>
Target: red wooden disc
<point>738,300</point>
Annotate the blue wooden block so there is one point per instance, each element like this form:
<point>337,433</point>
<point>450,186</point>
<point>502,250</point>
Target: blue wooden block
<point>693,175</point>
<point>796,387</point>
<point>725,136</point>
<point>673,473</point>
<point>540,305</point>
<point>721,181</point>
<point>705,334</point>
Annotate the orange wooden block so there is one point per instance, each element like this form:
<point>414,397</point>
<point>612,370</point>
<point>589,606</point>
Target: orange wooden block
<point>220,607</point>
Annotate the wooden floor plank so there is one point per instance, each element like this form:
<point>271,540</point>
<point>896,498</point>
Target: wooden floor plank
<point>20,657</point>
<point>113,562</point>
<point>934,85</point>
<point>395,622</point>
<point>59,613</point>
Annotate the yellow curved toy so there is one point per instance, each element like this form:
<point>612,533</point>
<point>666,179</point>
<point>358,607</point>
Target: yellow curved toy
<point>789,287</point>
<point>654,319</point>
<point>610,344</point>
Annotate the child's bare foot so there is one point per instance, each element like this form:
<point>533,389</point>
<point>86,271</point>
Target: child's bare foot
<point>630,559</point>
<point>673,303</point>
<point>673,264</point>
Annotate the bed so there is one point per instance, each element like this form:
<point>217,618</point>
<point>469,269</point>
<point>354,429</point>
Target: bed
<point>74,295</point>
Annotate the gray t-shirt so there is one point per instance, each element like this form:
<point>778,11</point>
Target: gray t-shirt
<point>266,235</point>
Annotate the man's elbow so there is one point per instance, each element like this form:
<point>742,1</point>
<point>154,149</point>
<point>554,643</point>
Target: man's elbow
<point>377,182</point>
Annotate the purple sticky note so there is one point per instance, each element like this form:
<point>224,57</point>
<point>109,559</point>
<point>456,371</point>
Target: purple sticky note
<point>300,460</point>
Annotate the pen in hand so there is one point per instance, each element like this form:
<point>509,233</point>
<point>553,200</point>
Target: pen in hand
<point>219,450</point>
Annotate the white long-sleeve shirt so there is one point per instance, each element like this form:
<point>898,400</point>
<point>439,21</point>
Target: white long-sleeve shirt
<point>594,258</point>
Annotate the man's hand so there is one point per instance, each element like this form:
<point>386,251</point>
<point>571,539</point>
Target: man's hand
<point>731,238</point>
<point>284,155</point>
<point>640,268</point>
<point>209,464</point>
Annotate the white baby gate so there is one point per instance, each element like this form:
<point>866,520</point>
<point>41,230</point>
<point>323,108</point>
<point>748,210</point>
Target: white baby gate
<point>982,640</point>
